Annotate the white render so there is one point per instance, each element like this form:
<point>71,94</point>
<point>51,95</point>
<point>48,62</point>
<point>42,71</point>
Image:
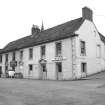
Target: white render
<point>88,33</point>
<point>50,56</point>
<point>70,58</point>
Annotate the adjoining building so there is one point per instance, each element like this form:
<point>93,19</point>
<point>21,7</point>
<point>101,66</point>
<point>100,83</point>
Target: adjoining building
<point>68,51</point>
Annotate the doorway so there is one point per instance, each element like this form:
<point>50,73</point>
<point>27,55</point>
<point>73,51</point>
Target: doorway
<point>84,69</point>
<point>0,71</point>
<point>59,70</point>
<point>43,71</point>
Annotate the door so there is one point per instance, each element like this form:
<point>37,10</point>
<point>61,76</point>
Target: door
<point>0,71</point>
<point>44,71</point>
<point>84,69</point>
<point>59,71</point>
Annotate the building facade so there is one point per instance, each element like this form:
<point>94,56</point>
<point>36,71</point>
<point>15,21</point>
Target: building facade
<point>69,51</point>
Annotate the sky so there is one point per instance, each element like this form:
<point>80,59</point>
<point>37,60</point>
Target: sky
<point>18,16</point>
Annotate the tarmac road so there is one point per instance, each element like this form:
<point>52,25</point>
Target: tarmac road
<point>40,92</point>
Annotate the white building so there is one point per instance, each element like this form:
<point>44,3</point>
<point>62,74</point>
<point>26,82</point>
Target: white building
<point>68,51</point>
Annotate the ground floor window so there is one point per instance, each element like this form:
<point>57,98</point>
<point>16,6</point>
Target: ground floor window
<point>0,70</point>
<point>13,68</point>
<point>30,67</point>
<point>83,67</point>
<point>59,66</point>
<point>6,68</point>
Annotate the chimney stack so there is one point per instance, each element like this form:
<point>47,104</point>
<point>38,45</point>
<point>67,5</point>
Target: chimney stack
<point>87,13</point>
<point>35,30</point>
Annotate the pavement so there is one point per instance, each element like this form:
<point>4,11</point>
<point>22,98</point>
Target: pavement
<point>98,75</point>
<point>47,92</point>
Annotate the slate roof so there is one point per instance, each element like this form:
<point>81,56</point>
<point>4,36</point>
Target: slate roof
<point>59,32</point>
<point>102,37</point>
<point>62,31</point>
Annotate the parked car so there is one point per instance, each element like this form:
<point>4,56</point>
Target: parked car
<point>6,75</point>
<point>18,75</point>
<point>11,73</point>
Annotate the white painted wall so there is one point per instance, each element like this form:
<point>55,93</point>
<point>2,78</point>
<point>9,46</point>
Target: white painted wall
<point>94,64</point>
<point>87,34</point>
<point>51,64</point>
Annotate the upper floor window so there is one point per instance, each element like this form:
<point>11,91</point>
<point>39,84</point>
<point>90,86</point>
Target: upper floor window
<point>31,53</point>
<point>58,49</point>
<point>83,47</point>
<point>42,51</point>
<point>0,58</point>
<point>21,55</point>
<point>13,58</point>
<point>6,57</point>
<point>98,51</point>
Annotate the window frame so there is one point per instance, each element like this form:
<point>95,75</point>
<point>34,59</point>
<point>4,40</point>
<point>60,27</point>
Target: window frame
<point>82,48</point>
<point>59,64</point>
<point>30,67</point>
<point>21,54</point>
<point>14,56</point>
<point>43,52</point>
<point>58,52</point>
<point>1,58</point>
<point>30,53</point>
<point>6,57</point>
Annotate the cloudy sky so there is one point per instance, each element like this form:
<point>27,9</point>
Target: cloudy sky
<point>17,16</point>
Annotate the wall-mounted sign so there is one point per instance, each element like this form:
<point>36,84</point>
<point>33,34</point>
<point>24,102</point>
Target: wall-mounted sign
<point>21,62</point>
<point>42,61</point>
<point>60,58</point>
<point>13,63</point>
